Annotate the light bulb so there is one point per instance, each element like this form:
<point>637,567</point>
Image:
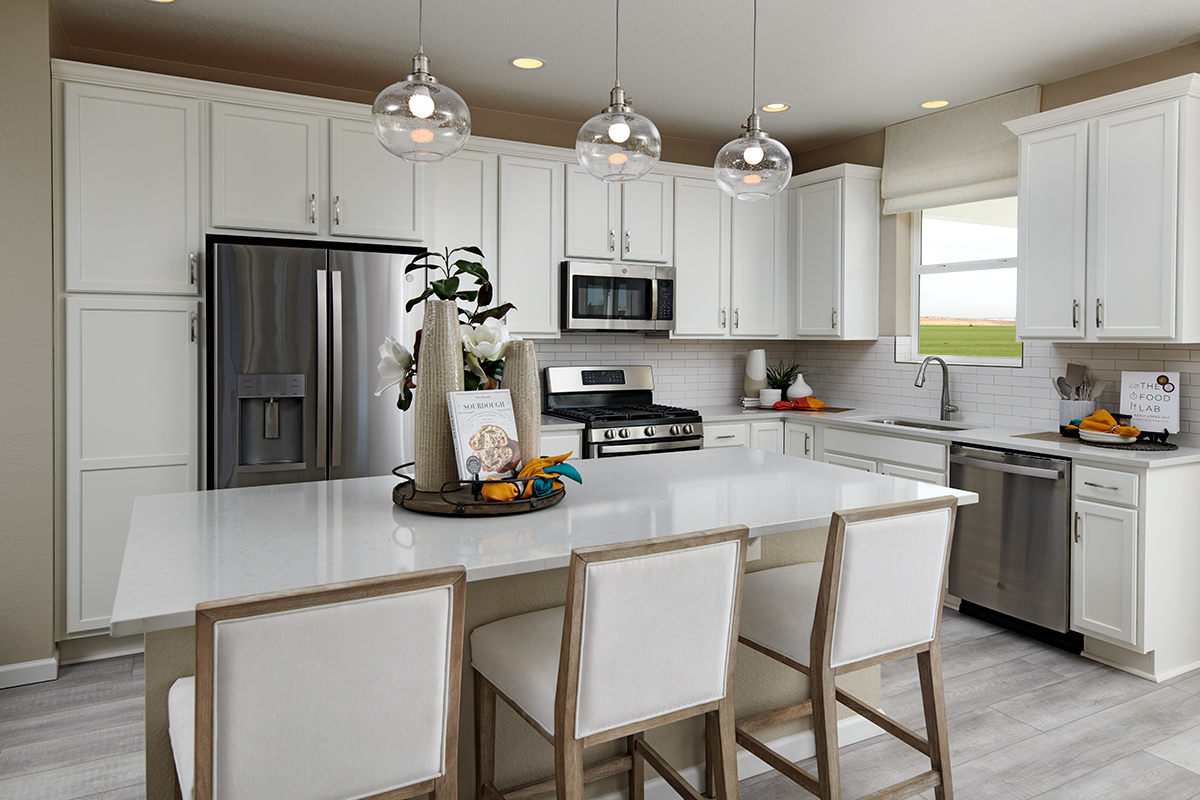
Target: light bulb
<point>753,155</point>
<point>618,131</point>
<point>420,103</point>
<point>422,136</point>
<point>753,177</point>
<point>618,158</point>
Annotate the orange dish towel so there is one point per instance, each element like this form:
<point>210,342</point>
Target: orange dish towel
<point>801,404</point>
<point>1104,422</point>
<point>500,492</point>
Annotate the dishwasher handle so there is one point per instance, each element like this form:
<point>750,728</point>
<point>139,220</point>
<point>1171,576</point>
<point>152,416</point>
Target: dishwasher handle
<point>1053,473</point>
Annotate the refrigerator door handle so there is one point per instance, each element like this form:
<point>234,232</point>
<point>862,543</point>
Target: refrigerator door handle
<point>322,368</point>
<point>336,461</point>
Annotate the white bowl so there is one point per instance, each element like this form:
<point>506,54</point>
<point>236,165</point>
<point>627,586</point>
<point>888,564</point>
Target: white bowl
<point>1104,437</point>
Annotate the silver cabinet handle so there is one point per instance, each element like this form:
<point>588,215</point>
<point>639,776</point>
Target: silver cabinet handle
<point>192,324</point>
<point>336,307</point>
<point>337,210</point>
<point>724,319</point>
<point>806,444</point>
<point>736,320</point>
<point>312,208</point>
<point>612,239</point>
<point>1074,313</point>
<point>1099,305</point>
<point>322,368</point>
<point>1076,526</point>
<point>1053,473</point>
<point>192,268</point>
<point>1102,486</point>
<point>728,436</point>
<point>626,242</point>
<point>833,319</point>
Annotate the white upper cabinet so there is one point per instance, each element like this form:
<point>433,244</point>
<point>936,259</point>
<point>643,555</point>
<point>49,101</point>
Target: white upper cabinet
<point>758,268</point>
<point>264,169</point>
<point>530,246</point>
<point>703,216</point>
<point>835,253</point>
<point>131,205</point>
<point>618,221</point>
<point>372,193</point>
<point>1108,250</point>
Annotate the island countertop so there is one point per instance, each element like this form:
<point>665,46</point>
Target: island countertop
<point>188,548</point>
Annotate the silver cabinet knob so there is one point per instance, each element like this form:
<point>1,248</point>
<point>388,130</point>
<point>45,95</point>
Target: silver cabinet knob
<point>624,433</point>
<point>688,429</point>
<point>674,430</point>
<point>609,434</point>
<point>649,430</point>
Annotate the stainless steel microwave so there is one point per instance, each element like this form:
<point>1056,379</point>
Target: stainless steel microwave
<point>617,297</point>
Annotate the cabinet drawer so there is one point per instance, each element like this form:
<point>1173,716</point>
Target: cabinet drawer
<point>894,449</point>
<point>1106,485</point>
<point>726,434</point>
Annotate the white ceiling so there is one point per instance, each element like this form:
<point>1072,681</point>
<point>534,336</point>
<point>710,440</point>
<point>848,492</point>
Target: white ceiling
<point>847,67</point>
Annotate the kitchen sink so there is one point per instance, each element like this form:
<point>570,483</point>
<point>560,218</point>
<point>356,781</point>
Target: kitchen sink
<point>920,424</point>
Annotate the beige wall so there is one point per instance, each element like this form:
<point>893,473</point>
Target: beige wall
<point>26,351</point>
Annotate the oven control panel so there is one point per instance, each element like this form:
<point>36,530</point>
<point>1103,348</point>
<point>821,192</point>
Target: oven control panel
<point>603,377</point>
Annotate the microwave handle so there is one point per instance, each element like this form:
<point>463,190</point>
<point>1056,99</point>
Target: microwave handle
<point>654,298</point>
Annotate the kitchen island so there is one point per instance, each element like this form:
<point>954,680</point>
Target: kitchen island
<point>185,549</point>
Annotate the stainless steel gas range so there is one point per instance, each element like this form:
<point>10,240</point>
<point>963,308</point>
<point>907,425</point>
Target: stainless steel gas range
<point>616,405</point>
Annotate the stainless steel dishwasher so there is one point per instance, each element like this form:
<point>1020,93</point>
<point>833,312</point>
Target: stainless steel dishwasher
<point>1011,551</point>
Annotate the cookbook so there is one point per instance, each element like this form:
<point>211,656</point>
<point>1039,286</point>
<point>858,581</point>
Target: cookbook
<point>485,434</point>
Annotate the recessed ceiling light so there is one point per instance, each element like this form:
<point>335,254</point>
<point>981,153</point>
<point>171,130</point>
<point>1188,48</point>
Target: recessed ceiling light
<point>936,104</point>
<point>527,62</point>
<point>776,107</point>
<point>162,1</point>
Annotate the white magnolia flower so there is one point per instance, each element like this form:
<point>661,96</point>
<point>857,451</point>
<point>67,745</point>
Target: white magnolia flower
<point>394,361</point>
<point>488,342</point>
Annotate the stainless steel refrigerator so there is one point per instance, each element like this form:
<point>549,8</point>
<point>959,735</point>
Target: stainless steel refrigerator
<point>294,343</point>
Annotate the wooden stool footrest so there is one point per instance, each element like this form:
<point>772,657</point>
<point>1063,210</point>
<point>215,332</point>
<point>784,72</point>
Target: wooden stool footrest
<point>777,762</point>
<point>908,788</point>
<point>547,788</point>
<point>780,715</point>
<point>673,778</point>
<point>906,735</point>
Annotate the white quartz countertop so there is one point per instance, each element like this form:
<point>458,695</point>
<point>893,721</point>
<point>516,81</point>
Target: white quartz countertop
<point>188,548</point>
<point>997,437</point>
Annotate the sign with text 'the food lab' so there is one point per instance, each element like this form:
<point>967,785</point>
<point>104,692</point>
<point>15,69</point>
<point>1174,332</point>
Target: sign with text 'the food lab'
<point>1151,399</point>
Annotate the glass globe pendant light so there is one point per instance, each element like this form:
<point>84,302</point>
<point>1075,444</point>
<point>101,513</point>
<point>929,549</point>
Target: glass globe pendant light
<point>419,119</point>
<point>618,144</point>
<point>753,166</point>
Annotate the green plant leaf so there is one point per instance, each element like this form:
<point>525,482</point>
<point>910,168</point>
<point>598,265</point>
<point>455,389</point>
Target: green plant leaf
<point>471,381</point>
<point>471,268</point>
<point>445,288</point>
<point>468,296</point>
<point>406,397</point>
<point>489,313</point>
<point>485,293</point>
<point>420,261</point>
<point>469,249</point>
<point>412,303</point>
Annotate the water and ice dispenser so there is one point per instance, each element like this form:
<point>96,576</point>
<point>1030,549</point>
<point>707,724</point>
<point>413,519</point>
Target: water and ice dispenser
<point>271,421</point>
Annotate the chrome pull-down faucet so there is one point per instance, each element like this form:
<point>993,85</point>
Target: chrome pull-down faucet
<point>947,409</point>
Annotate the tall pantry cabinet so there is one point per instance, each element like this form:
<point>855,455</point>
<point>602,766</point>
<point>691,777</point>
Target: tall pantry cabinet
<point>130,244</point>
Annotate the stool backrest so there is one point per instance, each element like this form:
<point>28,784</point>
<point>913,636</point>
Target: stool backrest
<point>650,629</point>
<point>340,691</point>
<point>882,584</point>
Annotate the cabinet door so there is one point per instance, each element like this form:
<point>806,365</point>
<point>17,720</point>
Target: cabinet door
<point>556,443</point>
<point>726,434</point>
<point>592,216</point>
<point>131,208</point>
<point>264,169</point>
<point>912,473</point>
<point>767,436</point>
<point>853,462</point>
<point>817,251</point>
<point>527,274</point>
<point>757,284</point>
<point>798,439</point>
<point>647,209</point>
<point>702,220</point>
<point>372,192</point>
<point>1137,163</point>
<point>132,415</point>
<point>1052,225</point>
<point>1104,572</point>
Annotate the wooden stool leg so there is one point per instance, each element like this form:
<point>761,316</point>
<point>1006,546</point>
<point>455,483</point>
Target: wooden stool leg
<point>826,732</point>
<point>637,768</point>
<point>485,735</point>
<point>568,767</point>
<point>712,745</point>
<point>933,698</point>
<point>723,763</point>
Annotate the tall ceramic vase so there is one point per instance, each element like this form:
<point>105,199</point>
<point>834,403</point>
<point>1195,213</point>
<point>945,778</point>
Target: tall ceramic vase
<point>521,380</point>
<point>439,370</point>
<point>756,372</point>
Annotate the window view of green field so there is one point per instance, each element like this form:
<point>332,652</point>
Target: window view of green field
<point>986,338</point>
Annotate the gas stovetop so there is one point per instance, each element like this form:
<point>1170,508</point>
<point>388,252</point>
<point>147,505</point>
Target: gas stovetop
<point>603,416</point>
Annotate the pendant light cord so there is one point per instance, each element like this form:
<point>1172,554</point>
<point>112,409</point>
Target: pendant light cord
<point>421,24</point>
<point>754,65</point>
<point>618,43</point>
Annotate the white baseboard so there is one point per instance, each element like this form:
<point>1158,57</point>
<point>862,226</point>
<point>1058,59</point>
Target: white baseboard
<point>26,672</point>
<point>93,648</point>
<point>796,747</point>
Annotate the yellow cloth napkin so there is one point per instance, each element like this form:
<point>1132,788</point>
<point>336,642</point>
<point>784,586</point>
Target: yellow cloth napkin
<point>1104,422</point>
<point>498,491</point>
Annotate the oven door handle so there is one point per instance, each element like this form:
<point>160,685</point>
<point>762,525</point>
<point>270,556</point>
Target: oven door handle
<point>649,447</point>
<point>1013,469</point>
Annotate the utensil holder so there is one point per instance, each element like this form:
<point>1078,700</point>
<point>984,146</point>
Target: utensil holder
<point>1073,409</point>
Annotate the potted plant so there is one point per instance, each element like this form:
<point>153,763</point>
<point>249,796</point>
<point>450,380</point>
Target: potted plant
<point>789,380</point>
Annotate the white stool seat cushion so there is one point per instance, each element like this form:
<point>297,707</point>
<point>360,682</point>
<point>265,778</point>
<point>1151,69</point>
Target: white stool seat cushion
<point>181,727</point>
<point>778,606</point>
<point>519,656</point>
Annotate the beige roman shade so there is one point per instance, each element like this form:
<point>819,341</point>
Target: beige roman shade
<point>959,155</point>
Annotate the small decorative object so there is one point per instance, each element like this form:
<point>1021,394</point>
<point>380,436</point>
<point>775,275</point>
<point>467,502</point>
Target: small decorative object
<point>522,381</point>
<point>441,372</point>
<point>756,372</point>
<point>486,441</point>
<point>781,377</point>
<point>798,388</point>
<point>769,397</point>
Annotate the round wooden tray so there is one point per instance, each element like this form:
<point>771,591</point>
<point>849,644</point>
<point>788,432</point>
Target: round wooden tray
<point>458,500</point>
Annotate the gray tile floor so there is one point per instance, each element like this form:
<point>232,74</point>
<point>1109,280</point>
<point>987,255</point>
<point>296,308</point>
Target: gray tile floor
<point>1026,721</point>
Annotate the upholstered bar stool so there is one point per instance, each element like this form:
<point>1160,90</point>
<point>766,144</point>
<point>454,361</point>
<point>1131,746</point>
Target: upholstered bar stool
<point>349,690</point>
<point>648,637</point>
<point>876,598</point>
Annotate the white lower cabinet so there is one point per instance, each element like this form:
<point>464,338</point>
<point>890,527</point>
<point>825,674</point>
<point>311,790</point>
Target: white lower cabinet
<point>1104,580</point>
<point>767,435</point>
<point>726,434</point>
<point>799,439</point>
<point>898,456</point>
<point>555,443</point>
<point>132,414</point>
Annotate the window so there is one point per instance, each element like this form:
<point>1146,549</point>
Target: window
<point>965,283</point>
